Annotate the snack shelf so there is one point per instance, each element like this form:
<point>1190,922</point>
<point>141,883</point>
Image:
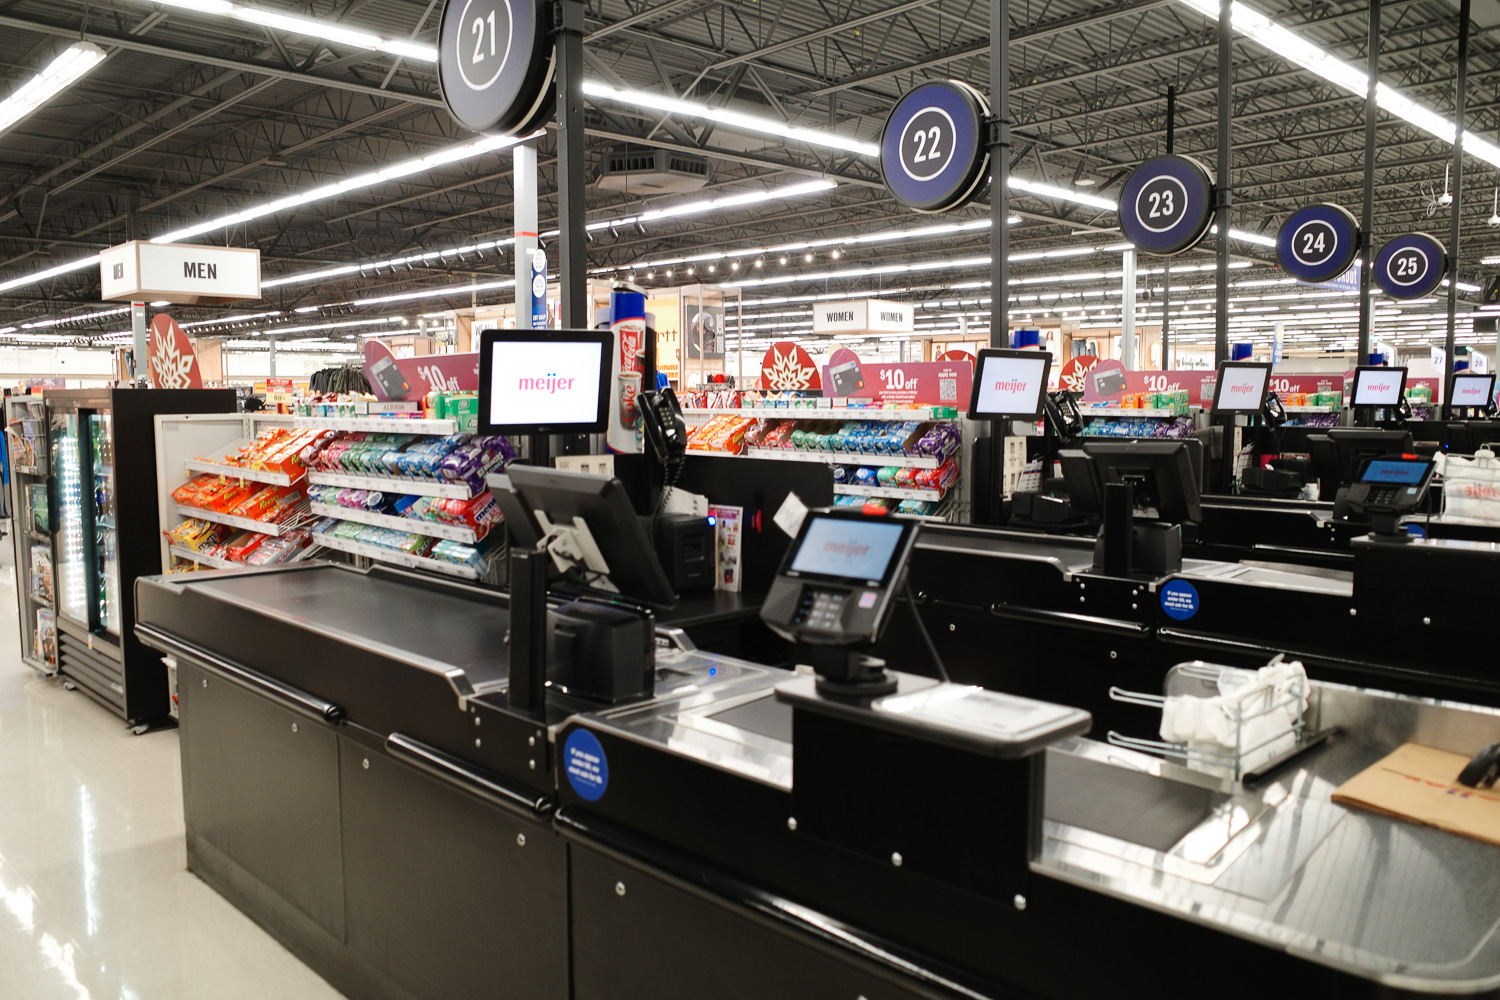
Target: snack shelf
<point>37,536</point>
<point>378,425</point>
<point>392,484</point>
<point>886,492</point>
<point>249,475</point>
<point>40,666</point>
<point>246,523</point>
<point>1126,411</point>
<point>192,555</point>
<point>819,413</point>
<point>414,525</point>
<point>395,556</point>
<point>845,458</point>
<point>39,599</point>
<point>1310,409</point>
<point>27,470</point>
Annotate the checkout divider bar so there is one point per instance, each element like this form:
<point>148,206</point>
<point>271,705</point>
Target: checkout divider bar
<point>460,775</point>
<point>297,700</point>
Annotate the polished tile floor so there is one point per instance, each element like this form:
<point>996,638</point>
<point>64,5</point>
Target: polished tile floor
<point>96,902</point>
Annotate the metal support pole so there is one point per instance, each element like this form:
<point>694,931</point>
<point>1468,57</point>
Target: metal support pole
<point>1127,312</point>
<point>139,348</point>
<point>1458,197</point>
<point>572,222</point>
<point>1367,209</point>
<point>271,351</point>
<point>523,185</point>
<point>1166,278</point>
<point>1221,283</point>
<point>1000,172</point>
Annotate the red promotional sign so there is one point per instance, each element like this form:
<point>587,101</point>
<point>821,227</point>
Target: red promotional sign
<point>955,356</point>
<point>1108,380</point>
<point>910,383</point>
<point>788,367</point>
<point>1073,372</point>
<point>170,356</point>
<point>393,378</point>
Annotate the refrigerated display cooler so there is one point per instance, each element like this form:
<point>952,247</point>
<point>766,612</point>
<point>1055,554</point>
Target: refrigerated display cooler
<point>104,505</point>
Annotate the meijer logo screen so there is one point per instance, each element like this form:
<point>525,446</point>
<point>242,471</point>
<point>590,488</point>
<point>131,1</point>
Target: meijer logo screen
<point>542,383</point>
<point>1011,385</point>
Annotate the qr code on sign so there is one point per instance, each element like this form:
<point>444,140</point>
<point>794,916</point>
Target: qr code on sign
<point>947,389</point>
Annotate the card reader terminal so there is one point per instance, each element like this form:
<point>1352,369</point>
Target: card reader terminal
<point>836,589</point>
<point>1388,488</point>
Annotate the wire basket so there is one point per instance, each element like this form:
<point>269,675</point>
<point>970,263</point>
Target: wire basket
<point>1233,702</point>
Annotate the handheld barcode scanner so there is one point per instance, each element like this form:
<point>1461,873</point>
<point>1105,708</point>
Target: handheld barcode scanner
<point>835,593</point>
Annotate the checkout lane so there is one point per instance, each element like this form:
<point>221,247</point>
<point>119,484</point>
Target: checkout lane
<point>411,808</point>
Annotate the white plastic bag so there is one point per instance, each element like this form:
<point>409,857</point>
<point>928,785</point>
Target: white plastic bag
<point>1471,487</point>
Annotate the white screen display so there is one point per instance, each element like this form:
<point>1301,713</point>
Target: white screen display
<point>1471,390</point>
<point>1243,389</point>
<point>1378,387</point>
<point>1011,386</point>
<point>855,550</point>
<point>544,383</point>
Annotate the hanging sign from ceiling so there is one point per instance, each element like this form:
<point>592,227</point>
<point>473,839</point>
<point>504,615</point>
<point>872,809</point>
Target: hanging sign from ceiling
<point>1318,243</point>
<point>495,64</point>
<point>934,154</point>
<point>864,316</point>
<point>180,273</point>
<point>1167,205</point>
<point>1411,266</point>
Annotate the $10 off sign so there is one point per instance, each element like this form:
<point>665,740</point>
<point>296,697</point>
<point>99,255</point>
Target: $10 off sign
<point>495,64</point>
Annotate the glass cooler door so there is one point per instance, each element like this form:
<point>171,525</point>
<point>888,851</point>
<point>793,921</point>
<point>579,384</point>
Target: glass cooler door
<point>71,559</point>
<point>105,563</point>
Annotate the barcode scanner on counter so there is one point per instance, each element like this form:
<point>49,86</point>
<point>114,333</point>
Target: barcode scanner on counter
<point>835,593</point>
<point>1388,488</point>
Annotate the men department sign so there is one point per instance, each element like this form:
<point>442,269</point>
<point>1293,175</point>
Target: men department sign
<point>181,273</point>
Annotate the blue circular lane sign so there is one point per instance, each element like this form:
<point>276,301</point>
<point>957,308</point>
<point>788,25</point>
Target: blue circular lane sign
<point>933,153</point>
<point>1410,266</point>
<point>495,64</point>
<point>1167,205</point>
<point>1318,243</point>
<point>1179,599</point>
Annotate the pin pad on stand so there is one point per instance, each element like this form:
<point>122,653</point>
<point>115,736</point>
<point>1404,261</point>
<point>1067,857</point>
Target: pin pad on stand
<point>1388,488</point>
<point>835,592</point>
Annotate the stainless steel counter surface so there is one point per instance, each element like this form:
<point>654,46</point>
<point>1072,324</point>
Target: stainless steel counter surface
<point>1314,580</point>
<point>1407,905</point>
<point>1384,899</point>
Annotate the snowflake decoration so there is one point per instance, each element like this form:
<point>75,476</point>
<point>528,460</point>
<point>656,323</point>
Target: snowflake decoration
<point>786,372</point>
<point>170,368</point>
<point>1072,380</point>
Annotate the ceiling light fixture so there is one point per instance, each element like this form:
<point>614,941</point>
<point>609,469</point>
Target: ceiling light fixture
<point>734,119</point>
<point>326,31</point>
<point>60,74</point>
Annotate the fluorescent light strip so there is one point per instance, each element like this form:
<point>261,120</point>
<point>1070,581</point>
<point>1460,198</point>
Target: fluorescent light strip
<point>61,73</point>
<point>691,208</point>
<point>1065,194</point>
<point>324,30</point>
<point>442,157</point>
<point>83,318</point>
<point>1283,42</point>
<point>734,119</point>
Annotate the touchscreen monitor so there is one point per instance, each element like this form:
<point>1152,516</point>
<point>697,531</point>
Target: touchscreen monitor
<point>1241,387</point>
<point>1378,386</point>
<point>544,381</point>
<point>1472,390</point>
<point>849,549</point>
<point>1008,385</point>
<point>1395,472</point>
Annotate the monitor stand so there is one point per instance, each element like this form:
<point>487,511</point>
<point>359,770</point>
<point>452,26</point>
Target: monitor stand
<point>1127,546</point>
<point>844,672</point>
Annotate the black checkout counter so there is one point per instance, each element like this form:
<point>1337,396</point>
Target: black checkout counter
<point>358,783</point>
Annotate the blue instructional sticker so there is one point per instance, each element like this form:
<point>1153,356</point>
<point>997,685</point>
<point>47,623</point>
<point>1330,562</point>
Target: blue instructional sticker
<point>1179,599</point>
<point>1416,531</point>
<point>585,765</point>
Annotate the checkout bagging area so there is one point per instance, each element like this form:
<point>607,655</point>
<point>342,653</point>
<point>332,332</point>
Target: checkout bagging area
<point>942,761</point>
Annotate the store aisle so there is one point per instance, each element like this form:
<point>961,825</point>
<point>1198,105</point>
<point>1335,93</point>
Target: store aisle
<point>96,902</point>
